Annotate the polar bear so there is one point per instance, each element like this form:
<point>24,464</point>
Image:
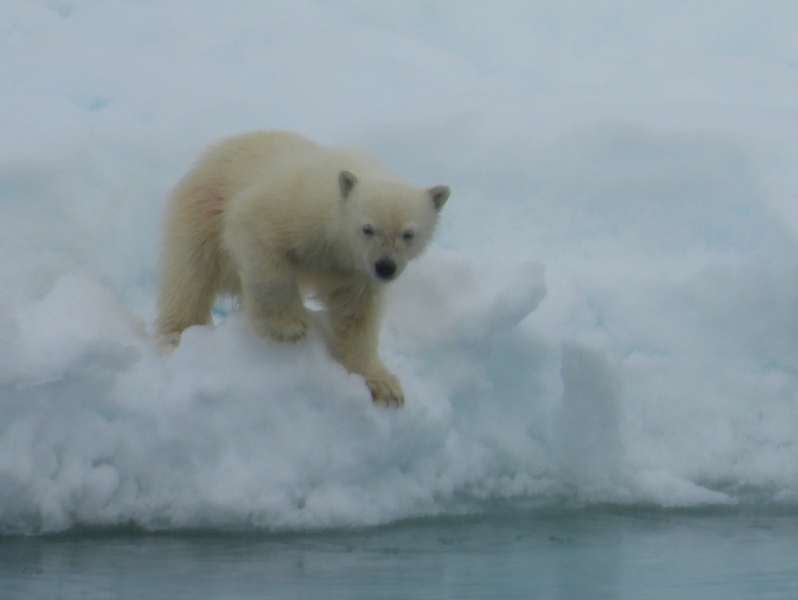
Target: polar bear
<point>272,218</point>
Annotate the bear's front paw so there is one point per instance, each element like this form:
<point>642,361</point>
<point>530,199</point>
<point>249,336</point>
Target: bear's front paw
<point>284,329</point>
<point>386,391</point>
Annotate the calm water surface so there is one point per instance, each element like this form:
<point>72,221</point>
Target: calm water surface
<point>566,556</point>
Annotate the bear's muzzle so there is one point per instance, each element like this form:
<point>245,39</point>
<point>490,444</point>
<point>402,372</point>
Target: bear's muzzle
<point>385,268</point>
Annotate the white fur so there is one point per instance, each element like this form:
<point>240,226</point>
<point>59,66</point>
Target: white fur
<point>270,216</point>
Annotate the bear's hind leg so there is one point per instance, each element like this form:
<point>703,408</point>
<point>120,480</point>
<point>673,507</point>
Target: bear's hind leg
<point>185,298</point>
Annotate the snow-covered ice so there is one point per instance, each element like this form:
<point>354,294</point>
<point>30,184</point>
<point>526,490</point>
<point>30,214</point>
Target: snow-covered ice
<point>609,313</point>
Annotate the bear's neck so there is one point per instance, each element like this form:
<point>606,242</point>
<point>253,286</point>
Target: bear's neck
<point>323,253</point>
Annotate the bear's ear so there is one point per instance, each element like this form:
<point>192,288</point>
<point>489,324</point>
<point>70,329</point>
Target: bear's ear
<point>439,195</point>
<point>346,181</point>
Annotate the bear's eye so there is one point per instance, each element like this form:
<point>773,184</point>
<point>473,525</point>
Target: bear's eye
<point>408,235</point>
<point>368,230</point>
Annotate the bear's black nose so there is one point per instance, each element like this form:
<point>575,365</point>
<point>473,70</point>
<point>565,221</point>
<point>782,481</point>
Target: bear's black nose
<point>385,268</point>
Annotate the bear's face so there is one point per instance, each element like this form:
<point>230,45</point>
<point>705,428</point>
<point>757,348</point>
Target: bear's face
<point>390,223</point>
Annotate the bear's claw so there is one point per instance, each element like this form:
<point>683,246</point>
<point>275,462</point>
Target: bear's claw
<point>285,329</point>
<point>289,336</point>
<point>386,393</point>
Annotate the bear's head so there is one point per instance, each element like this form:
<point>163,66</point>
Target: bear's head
<point>390,222</point>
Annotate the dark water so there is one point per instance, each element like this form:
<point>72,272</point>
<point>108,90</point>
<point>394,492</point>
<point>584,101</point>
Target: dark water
<point>549,556</point>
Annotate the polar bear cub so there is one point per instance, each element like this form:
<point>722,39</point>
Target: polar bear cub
<point>272,218</point>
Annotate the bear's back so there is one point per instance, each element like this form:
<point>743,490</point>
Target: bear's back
<point>266,158</point>
<point>237,163</point>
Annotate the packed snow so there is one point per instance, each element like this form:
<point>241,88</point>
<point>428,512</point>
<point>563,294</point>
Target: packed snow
<point>609,312</point>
